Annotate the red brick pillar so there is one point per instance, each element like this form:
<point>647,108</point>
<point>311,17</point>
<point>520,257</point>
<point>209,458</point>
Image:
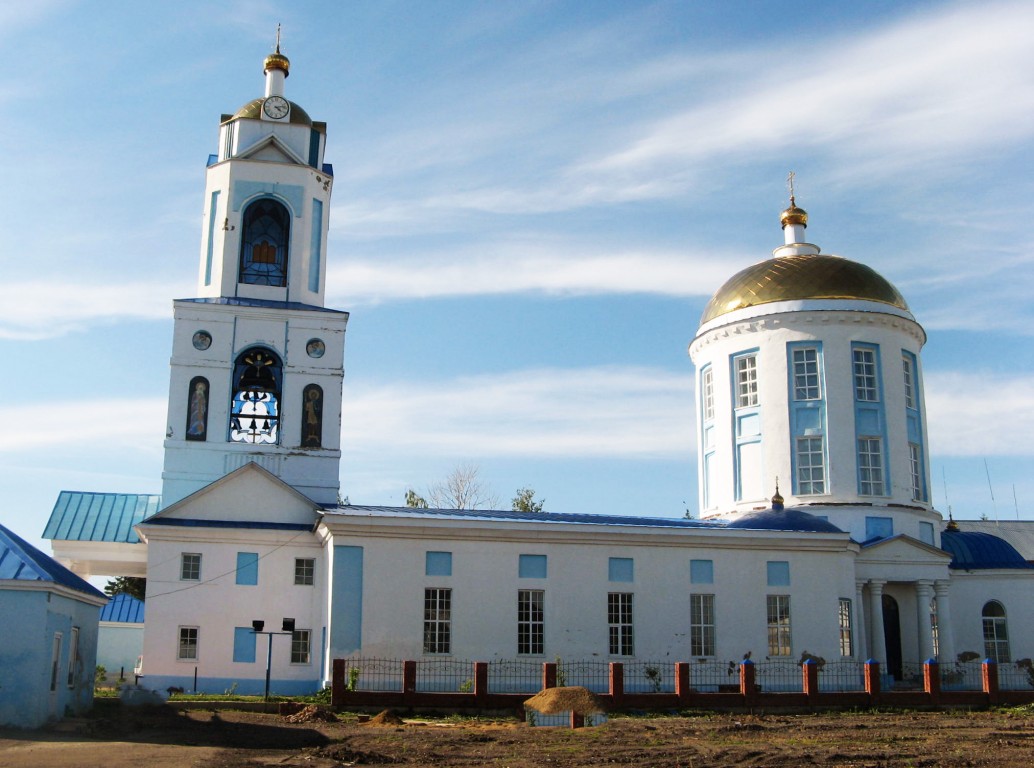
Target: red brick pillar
<point>548,674</point>
<point>932,680</point>
<point>748,689</point>
<point>682,681</point>
<point>408,679</point>
<point>577,720</point>
<point>872,680</point>
<point>989,673</point>
<point>480,682</point>
<point>337,683</point>
<point>617,682</point>
<point>810,675</point>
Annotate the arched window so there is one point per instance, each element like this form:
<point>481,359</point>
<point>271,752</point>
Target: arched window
<point>996,634</point>
<point>255,403</point>
<point>265,234</point>
<point>312,416</point>
<point>197,408</point>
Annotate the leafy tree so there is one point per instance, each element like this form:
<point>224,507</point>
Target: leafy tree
<point>135,586</point>
<point>525,501</point>
<point>413,499</point>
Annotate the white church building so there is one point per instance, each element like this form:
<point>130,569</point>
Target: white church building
<point>809,370</point>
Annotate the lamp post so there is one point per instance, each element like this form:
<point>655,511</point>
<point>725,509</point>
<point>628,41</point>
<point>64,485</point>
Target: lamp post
<point>287,628</point>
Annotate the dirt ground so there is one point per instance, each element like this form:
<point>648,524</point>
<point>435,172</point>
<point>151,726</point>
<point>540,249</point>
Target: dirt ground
<point>117,738</point>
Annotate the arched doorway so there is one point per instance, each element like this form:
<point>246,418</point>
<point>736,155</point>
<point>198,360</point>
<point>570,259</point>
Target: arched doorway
<point>892,636</point>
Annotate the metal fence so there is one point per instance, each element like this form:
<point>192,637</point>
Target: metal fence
<point>649,677</point>
<point>841,676</point>
<point>445,676</point>
<point>779,677</point>
<point>962,676</point>
<point>1016,675</point>
<point>594,675</point>
<point>714,676</point>
<point>514,676</point>
<point>373,674</point>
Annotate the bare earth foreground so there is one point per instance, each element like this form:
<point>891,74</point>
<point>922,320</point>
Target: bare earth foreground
<point>117,738</point>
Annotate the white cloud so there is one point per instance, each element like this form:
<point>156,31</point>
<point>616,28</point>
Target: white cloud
<point>969,416</point>
<point>564,413</point>
<point>109,425</point>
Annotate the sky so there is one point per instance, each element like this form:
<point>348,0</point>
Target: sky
<point>533,202</point>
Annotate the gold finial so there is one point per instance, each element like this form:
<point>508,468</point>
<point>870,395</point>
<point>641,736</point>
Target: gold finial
<point>277,60</point>
<point>278,51</point>
<point>952,525</point>
<point>793,216</point>
<point>777,500</point>
<point>789,176</point>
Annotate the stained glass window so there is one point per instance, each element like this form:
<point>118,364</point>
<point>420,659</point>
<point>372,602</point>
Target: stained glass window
<point>255,407</point>
<point>265,235</point>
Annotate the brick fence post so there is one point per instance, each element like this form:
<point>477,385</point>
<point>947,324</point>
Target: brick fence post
<point>408,679</point>
<point>989,673</point>
<point>810,675</point>
<point>932,680</point>
<point>337,683</point>
<point>480,682</point>
<point>548,674</point>
<point>617,682</point>
<point>748,688</point>
<point>682,689</point>
<point>872,681</point>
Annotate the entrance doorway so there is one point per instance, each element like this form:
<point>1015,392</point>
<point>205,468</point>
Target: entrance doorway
<point>892,636</point>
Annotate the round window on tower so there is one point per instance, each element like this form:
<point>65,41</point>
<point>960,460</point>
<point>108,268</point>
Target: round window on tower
<point>315,348</point>
<point>202,340</point>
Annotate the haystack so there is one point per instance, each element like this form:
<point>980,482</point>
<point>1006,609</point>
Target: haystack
<point>553,701</point>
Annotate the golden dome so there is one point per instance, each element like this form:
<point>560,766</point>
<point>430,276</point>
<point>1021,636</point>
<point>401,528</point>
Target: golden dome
<point>277,61</point>
<point>801,277</point>
<point>253,110</point>
<point>793,215</point>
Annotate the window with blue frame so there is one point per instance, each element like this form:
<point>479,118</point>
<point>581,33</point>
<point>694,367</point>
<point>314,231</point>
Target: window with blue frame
<point>914,425</point>
<point>870,421</point>
<point>747,461</point>
<point>265,239</point>
<point>438,564</point>
<point>707,433</point>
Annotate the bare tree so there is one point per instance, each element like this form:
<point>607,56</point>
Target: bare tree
<point>463,488</point>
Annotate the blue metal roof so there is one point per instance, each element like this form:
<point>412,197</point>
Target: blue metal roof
<point>784,520</point>
<point>20,561</point>
<point>236,301</point>
<point>108,517</point>
<point>511,516</point>
<point>123,608</point>
<point>971,550</point>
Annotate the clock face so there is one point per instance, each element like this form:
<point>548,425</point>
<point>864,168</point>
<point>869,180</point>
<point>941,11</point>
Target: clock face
<point>276,107</point>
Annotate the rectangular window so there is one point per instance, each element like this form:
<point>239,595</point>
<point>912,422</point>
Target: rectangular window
<point>701,571</point>
<point>806,374</point>
<point>619,619</point>
<point>935,633</point>
<point>188,644</point>
<point>73,656</point>
<point>620,569</point>
<point>244,645</point>
<point>879,528</point>
<point>190,566</point>
<point>300,641</point>
<point>530,621</point>
<point>870,466</point>
<point>305,571</point>
<point>437,620</point>
<point>55,661</point>
<point>915,462</point>
<point>701,625</point>
<point>910,387</point>
<point>778,573</point>
<point>865,381</point>
<point>846,631</point>
<point>926,533</point>
<point>247,568</point>
<point>779,641</point>
<point>531,567</point>
<point>746,381</point>
<point>811,470</point>
<point>707,385</point>
<point>996,635</point>
<point>438,564</point>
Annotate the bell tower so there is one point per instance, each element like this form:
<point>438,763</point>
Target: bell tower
<point>258,360</point>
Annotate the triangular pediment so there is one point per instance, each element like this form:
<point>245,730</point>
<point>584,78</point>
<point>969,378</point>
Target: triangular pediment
<point>250,494</point>
<point>271,149</point>
<point>902,558</point>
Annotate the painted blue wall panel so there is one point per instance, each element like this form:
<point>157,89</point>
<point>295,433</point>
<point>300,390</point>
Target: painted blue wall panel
<point>701,571</point>
<point>316,245</point>
<point>438,564</point>
<point>247,568</point>
<point>244,645</point>
<point>346,608</point>
<point>620,569</point>
<point>532,567</point>
<point>778,573</point>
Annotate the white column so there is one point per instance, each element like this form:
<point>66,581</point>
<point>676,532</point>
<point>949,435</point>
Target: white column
<point>945,628</point>
<point>862,651</point>
<point>924,593</point>
<point>877,640</point>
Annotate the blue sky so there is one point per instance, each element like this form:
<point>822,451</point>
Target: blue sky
<point>533,202</point>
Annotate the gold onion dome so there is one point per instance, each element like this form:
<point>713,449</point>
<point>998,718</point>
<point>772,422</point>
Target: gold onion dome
<point>793,216</point>
<point>277,61</point>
